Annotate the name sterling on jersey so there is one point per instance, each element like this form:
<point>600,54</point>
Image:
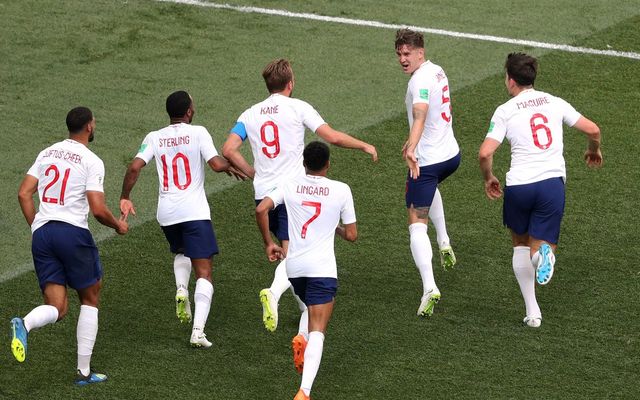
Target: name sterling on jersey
<point>533,102</point>
<point>172,142</point>
<point>313,190</point>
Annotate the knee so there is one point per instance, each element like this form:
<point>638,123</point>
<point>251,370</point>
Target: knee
<point>62,309</point>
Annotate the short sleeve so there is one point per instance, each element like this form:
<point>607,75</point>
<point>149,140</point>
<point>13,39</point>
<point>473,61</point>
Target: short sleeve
<point>34,170</point>
<point>348,211</point>
<point>95,175</point>
<point>276,195</point>
<point>145,152</point>
<point>497,126</point>
<point>207,149</point>
<point>419,90</point>
<point>569,114</point>
<point>310,117</point>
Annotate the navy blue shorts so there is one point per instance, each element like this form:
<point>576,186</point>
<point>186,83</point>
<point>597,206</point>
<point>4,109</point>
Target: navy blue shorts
<point>420,192</point>
<point>194,239</point>
<point>65,254</point>
<point>313,291</point>
<point>535,208</point>
<point>278,222</point>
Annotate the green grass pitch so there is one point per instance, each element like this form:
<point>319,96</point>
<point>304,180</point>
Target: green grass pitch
<point>122,58</point>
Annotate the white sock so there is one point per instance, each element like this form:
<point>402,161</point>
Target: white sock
<point>422,254</point>
<point>301,306</point>
<point>312,358</point>
<point>86,334</point>
<point>202,297</point>
<point>182,271</point>
<point>40,316</point>
<point>436,215</point>
<point>280,281</point>
<point>526,276</point>
<point>303,326</point>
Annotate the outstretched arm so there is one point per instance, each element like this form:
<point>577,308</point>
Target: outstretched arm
<point>341,139</point>
<point>129,181</point>
<point>593,154</point>
<point>221,164</point>
<point>28,188</point>
<point>485,157</point>
<point>231,151</point>
<point>102,213</point>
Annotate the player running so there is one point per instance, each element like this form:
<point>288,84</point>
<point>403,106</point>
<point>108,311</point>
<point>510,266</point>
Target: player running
<point>534,196</point>
<point>180,151</point>
<point>69,180</point>
<point>315,205</point>
<point>431,153</point>
<point>275,129</point>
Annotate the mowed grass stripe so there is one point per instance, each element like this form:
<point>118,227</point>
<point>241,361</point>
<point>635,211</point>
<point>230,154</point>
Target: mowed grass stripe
<point>377,24</point>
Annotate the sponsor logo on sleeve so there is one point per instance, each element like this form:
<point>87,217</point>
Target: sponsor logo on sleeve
<point>143,146</point>
<point>491,126</point>
<point>424,94</point>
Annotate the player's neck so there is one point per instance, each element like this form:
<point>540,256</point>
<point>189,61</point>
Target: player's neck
<point>183,120</point>
<point>80,138</point>
<point>520,89</point>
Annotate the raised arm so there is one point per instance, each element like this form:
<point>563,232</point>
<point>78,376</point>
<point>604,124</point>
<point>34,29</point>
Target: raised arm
<point>341,139</point>
<point>28,188</point>
<point>593,154</point>
<point>485,157</point>
<point>231,151</point>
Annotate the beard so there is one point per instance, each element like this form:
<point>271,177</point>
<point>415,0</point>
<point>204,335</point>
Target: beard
<point>91,137</point>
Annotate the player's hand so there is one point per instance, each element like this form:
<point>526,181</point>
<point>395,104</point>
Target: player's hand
<point>412,163</point>
<point>239,175</point>
<point>371,150</point>
<point>274,252</point>
<point>492,188</point>
<point>593,158</point>
<point>126,208</point>
<point>123,226</point>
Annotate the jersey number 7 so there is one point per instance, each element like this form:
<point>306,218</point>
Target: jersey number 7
<point>318,207</point>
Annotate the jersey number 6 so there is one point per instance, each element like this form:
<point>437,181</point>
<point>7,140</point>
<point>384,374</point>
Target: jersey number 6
<point>318,207</point>
<point>273,146</point>
<point>541,126</point>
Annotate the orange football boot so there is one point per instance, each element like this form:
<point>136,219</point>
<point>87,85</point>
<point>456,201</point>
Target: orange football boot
<point>300,395</point>
<point>298,345</point>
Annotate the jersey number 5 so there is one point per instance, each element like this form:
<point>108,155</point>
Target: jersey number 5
<point>63,188</point>
<point>272,148</point>
<point>174,168</point>
<point>538,127</point>
<point>318,207</point>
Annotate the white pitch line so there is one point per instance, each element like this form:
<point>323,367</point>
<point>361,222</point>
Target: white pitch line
<point>376,24</point>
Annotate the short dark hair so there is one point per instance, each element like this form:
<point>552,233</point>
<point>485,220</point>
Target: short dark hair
<point>178,103</point>
<point>78,118</point>
<point>277,74</point>
<point>315,156</point>
<point>522,68</point>
<point>410,38</point>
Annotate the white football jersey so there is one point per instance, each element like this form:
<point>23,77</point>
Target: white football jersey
<point>532,123</point>
<point>429,85</point>
<point>181,151</point>
<point>315,205</point>
<point>65,172</point>
<point>275,128</point>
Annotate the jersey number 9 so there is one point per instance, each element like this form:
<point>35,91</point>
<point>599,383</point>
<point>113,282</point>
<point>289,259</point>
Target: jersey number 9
<point>272,148</point>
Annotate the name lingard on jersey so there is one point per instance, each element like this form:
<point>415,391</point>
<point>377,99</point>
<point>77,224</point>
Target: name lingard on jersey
<point>313,190</point>
<point>533,102</point>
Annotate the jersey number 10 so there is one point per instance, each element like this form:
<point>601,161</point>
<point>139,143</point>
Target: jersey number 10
<point>174,169</point>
